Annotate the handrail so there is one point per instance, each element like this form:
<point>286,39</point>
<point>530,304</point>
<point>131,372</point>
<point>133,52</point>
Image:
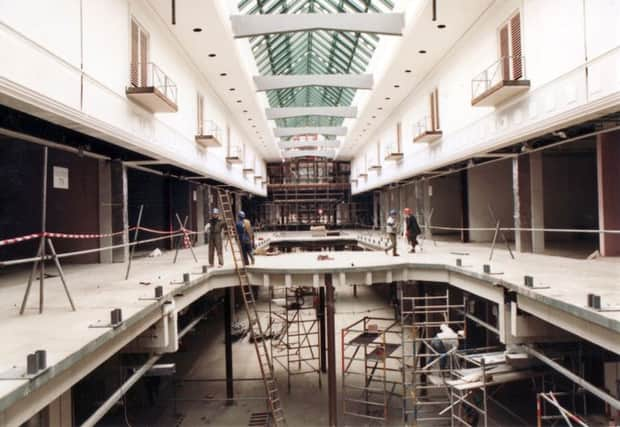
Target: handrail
<point>148,74</point>
<point>509,68</point>
<point>209,127</point>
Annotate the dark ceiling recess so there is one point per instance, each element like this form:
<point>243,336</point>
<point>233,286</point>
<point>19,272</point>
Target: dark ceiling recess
<point>29,125</point>
<point>174,12</point>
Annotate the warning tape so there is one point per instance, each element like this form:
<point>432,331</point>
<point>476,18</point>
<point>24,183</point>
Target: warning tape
<point>6,242</point>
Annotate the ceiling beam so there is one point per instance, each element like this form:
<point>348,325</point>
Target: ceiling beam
<point>309,130</point>
<point>287,112</point>
<point>372,23</point>
<point>285,81</point>
<point>303,153</point>
<point>325,143</point>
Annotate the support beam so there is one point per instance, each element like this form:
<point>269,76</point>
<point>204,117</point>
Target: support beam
<point>314,153</point>
<point>326,143</point>
<point>372,23</point>
<point>331,353</point>
<point>322,330</point>
<point>310,130</point>
<point>605,397</point>
<point>285,81</point>
<point>537,201</point>
<point>228,345</point>
<point>288,112</point>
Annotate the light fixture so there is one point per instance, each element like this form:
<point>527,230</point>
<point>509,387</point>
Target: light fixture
<point>380,108</point>
<point>407,71</point>
<point>232,89</point>
<point>396,86</point>
<point>223,74</point>
<point>441,26</point>
<point>387,98</point>
<point>239,101</point>
<point>422,51</point>
<point>211,55</point>
<point>197,30</point>
<point>245,111</point>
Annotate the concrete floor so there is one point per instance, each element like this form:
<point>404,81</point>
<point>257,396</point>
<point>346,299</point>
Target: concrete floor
<point>99,288</point>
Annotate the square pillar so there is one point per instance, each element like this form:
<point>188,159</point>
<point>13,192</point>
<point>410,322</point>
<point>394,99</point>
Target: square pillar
<point>375,209</point>
<point>119,212</point>
<point>607,161</point>
<point>537,201</point>
<point>200,215</point>
<point>521,192</point>
<point>105,209</point>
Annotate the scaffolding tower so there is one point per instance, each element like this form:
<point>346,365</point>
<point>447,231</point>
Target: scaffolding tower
<point>295,329</point>
<point>371,368</point>
<point>425,369</point>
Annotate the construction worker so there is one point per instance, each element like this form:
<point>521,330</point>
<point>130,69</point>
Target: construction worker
<point>250,232</point>
<point>445,342</point>
<point>215,227</point>
<point>391,228</point>
<point>244,237</point>
<point>411,229</point>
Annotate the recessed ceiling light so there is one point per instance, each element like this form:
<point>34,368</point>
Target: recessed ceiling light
<point>239,101</point>
<point>223,74</point>
<point>374,117</point>
<point>407,71</point>
<point>422,51</point>
<point>197,30</point>
<point>232,89</point>
<point>249,119</point>
<point>245,111</point>
<point>441,26</point>
<point>211,55</point>
<point>380,108</point>
<point>396,86</point>
<point>253,126</point>
<point>387,98</point>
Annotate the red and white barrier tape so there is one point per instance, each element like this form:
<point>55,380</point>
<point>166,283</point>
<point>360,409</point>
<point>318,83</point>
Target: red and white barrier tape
<point>6,242</point>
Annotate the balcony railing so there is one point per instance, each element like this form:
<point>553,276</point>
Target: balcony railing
<point>235,155</point>
<point>148,79</point>
<point>393,152</point>
<point>423,130</point>
<point>209,134</point>
<point>506,71</point>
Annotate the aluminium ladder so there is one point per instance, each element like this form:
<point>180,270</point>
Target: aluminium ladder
<point>256,331</point>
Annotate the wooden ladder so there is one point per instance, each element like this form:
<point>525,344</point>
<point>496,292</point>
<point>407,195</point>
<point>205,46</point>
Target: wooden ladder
<point>256,330</point>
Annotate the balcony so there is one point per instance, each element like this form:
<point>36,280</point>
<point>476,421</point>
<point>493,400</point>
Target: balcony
<point>423,131</point>
<point>234,156</point>
<point>152,89</point>
<point>503,80</point>
<point>208,134</point>
<point>393,153</point>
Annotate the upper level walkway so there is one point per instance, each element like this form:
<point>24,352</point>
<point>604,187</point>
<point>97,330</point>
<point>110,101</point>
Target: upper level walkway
<point>74,348</point>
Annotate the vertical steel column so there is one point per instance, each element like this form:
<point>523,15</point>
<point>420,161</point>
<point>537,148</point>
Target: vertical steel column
<point>322,326</point>
<point>331,348</point>
<point>228,345</point>
<point>464,207</point>
<point>43,230</point>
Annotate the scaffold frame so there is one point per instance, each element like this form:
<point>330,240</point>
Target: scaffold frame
<point>296,348</point>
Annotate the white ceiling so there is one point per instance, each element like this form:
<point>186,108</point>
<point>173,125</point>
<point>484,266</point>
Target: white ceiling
<point>393,56</point>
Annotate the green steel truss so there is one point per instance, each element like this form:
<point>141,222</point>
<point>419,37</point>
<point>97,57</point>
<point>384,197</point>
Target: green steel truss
<point>313,52</point>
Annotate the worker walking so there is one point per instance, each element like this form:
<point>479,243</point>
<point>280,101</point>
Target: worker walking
<point>244,237</point>
<point>411,229</point>
<point>215,227</point>
<point>391,228</point>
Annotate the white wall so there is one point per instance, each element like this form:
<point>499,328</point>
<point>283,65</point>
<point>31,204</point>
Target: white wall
<point>554,46</point>
<point>49,42</point>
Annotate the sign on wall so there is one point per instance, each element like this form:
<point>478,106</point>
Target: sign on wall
<point>61,178</point>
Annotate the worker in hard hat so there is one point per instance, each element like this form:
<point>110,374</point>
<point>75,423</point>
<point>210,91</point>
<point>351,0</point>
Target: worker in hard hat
<point>411,229</point>
<point>391,228</point>
<point>214,227</point>
<point>244,237</point>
